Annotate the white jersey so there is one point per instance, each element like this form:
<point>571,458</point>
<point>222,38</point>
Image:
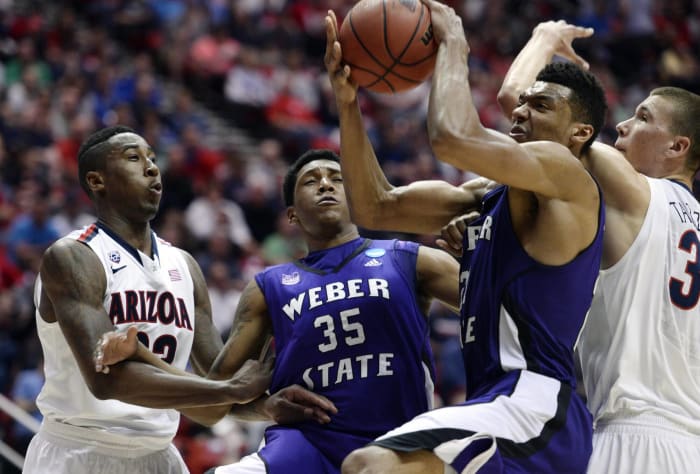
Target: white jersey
<point>640,347</point>
<point>155,295</point>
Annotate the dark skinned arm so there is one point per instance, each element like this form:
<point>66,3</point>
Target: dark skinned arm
<point>79,312</point>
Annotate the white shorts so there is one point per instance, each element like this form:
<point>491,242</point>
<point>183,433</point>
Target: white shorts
<point>48,453</point>
<point>250,464</point>
<point>643,445</point>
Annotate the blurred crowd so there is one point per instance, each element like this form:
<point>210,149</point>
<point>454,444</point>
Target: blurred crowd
<point>167,68</point>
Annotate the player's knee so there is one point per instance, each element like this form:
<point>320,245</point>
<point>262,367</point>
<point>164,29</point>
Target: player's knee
<point>367,460</point>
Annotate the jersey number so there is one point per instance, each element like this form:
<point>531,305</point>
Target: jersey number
<point>683,295</point>
<point>165,345</point>
<point>355,333</point>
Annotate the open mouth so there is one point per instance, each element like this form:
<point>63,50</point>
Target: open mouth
<point>517,132</point>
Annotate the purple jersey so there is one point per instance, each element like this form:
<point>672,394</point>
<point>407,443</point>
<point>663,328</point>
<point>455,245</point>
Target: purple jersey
<point>520,321</point>
<point>348,325</point>
<point>518,313</point>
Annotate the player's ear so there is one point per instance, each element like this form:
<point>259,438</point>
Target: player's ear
<point>292,215</point>
<point>680,145</point>
<point>94,180</point>
<point>582,132</point>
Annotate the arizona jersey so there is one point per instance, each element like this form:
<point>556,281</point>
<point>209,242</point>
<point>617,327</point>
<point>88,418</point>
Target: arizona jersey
<point>640,348</point>
<point>157,296</point>
<point>347,325</point>
<point>517,313</point>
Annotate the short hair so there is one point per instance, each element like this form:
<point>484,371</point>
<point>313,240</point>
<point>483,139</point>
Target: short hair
<point>587,100</point>
<point>685,118</point>
<point>290,180</point>
<point>91,153</point>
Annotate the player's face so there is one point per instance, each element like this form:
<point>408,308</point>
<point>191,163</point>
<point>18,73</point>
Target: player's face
<point>645,137</point>
<point>132,178</point>
<point>543,113</point>
<point>320,206</point>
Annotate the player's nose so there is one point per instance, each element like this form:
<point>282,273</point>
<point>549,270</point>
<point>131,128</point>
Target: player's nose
<point>152,168</point>
<point>325,183</point>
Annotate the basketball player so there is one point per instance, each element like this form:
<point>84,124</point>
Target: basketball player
<point>117,272</point>
<point>640,347</point>
<point>528,269</point>
<point>349,322</point>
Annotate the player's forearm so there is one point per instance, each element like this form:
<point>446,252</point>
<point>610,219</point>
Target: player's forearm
<point>253,411</point>
<point>366,185</point>
<point>141,384</point>
<point>536,54</point>
<point>206,416</point>
<point>453,121</point>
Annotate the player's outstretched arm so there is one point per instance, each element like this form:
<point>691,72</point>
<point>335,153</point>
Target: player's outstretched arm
<point>457,136</point>
<point>421,207</point>
<point>292,404</point>
<point>78,310</point>
<point>548,39</point>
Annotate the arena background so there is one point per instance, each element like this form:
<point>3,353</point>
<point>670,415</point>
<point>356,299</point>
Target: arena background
<point>229,92</point>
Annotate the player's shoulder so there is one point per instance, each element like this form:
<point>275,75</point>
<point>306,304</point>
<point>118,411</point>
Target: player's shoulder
<point>67,256</point>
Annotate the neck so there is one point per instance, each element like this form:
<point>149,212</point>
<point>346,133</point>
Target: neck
<point>341,238</point>
<point>138,235</point>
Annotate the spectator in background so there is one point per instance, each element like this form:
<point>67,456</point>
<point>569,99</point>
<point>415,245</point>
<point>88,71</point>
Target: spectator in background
<point>25,390</point>
<point>32,231</point>
<point>224,292</point>
<point>284,244</point>
<point>211,211</point>
<point>74,212</point>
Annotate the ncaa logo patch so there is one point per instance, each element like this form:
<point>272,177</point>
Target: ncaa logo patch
<point>375,253</point>
<point>292,279</point>
<point>114,256</point>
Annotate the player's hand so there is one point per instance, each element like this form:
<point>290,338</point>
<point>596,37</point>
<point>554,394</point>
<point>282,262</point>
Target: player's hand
<point>114,347</point>
<point>446,23</point>
<point>294,404</point>
<point>560,35</point>
<point>251,380</point>
<point>339,74</point>
<point>452,233</point>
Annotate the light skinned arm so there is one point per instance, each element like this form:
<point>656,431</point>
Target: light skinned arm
<point>421,207</point>
<point>457,136</point>
<point>82,318</point>
<point>626,192</point>
<point>627,195</point>
<point>549,39</point>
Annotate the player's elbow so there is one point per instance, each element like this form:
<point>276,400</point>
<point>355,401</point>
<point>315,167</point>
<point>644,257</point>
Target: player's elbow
<point>370,213</point>
<point>507,98</point>
<point>101,386</point>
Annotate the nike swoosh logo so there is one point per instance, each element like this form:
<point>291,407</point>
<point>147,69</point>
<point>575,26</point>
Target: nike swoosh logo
<point>115,270</point>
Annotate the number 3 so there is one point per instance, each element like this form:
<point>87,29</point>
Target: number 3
<point>329,332</point>
<point>687,299</point>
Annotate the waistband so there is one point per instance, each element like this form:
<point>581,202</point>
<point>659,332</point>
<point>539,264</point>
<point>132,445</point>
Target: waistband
<point>639,421</point>
<point>102,441</point>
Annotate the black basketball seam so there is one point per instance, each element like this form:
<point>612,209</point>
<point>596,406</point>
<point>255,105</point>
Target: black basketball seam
<point>359,40</point>
<point>397,61</point>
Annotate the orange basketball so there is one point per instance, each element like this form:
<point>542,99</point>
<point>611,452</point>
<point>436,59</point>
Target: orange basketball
<point>388,44</point>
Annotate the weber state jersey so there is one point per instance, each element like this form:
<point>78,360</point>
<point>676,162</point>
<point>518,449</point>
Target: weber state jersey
<point>640,348</point>
<point>154,294</point>
<point>517,313</point>
<point>347,325</point>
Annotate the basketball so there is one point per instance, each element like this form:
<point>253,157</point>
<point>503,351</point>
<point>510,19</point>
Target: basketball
<point>388,44</point>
